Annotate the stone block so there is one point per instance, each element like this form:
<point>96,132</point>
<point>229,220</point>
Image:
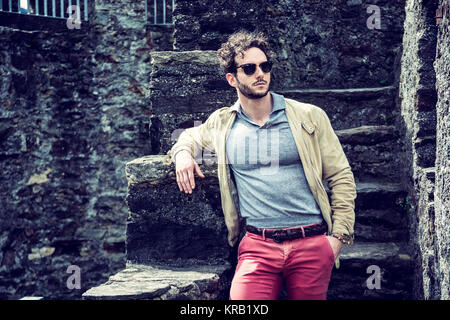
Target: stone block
<point>144,282</point>
<point>355,278</point>
<point>315,43</point>
<point>380,225</point>
<point>380,212</point>
<point>165,225</point>
<point>193,79</point>
<point>350,108</point>
<point>442,187</point>
<point>371,151</point>
<point>379,196</point>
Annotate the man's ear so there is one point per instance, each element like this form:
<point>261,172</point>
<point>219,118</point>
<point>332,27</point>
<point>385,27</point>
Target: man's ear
<point>231,78</point>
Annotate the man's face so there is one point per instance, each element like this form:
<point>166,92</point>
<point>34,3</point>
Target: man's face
<point>256,85</point>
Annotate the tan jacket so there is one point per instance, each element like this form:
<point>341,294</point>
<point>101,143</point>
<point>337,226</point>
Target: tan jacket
<point>320,152</point>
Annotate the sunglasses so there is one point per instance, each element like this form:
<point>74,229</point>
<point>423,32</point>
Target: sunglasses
<point>250,68</point>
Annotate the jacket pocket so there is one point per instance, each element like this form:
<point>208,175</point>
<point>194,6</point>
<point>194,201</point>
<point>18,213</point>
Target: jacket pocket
<point>308,126</point>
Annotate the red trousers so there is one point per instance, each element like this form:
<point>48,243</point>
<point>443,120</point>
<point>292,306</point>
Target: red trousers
<point>303,265</point>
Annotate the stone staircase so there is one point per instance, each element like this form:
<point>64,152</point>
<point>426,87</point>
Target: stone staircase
<point>176,243</point>
<point>380,241</point>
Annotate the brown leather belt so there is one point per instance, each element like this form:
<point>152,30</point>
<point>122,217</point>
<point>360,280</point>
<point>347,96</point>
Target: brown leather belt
<point>280,235</point>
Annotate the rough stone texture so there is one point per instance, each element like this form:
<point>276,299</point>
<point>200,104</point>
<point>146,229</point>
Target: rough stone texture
<point>194,81</point>
<point>165,225</point>
<point>72,113</point>
<point>176,244</point>
<point>197,88</point>
<point>418,99</point>
<point>316,42</point>
<point>144,282</point>
<point>442,185</point>
<point>160,37</point>
<point>349,108</point>
<point>75,107</point>
<point>381,212</point>
<point>350,280</point>
<point>371,151</point>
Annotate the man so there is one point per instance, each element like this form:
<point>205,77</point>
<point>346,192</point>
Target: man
<point>273,154</point>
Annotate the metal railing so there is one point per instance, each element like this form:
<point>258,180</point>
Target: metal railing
<point>159,12</point>
<point>58,9</point>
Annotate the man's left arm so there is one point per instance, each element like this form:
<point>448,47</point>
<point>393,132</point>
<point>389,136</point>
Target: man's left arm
<point>337,172</point>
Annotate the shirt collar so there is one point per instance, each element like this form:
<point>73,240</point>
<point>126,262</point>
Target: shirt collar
<point>278,103</point>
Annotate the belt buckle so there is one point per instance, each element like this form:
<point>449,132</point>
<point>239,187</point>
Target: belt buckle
<point>277,236</point>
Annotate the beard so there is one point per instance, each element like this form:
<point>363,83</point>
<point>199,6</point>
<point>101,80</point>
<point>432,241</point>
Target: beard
<point>249,92</point>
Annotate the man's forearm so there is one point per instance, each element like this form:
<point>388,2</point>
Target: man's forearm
<point>343,194</point>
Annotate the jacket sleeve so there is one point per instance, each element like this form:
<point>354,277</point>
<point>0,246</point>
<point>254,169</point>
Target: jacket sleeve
<point>195,139</point>
<point>338,174</point>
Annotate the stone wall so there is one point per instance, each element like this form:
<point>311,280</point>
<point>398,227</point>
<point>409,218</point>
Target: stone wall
<point>426,155</point>
<point>442,185</point>
<point>418,99</point>
<point>196,87</point>
<point>316,42</point>
<point>76,106</point>
<point>166,226</point>
<point>72,113</point>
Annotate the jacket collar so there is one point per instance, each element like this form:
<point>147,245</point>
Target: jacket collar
<point>236,106</point>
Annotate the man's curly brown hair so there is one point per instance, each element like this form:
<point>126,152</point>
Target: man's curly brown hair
<point>237,43</point>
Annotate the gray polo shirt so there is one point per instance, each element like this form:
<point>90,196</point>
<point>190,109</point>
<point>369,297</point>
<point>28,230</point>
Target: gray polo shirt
<point>271,184</point>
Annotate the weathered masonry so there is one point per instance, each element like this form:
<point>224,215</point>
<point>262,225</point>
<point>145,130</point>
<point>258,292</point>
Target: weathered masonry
<point>86,116</point>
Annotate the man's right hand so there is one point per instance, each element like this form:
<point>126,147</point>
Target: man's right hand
<point>184,167</point>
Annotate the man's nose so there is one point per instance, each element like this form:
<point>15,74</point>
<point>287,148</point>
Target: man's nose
<point>259,72</point>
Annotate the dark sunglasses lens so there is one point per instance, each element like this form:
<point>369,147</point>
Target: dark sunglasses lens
<point>249,69</point>
<point>266,66</point>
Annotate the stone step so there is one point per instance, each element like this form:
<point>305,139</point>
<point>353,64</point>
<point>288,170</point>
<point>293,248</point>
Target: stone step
<point>348,108</point>
<point>367,135</point>
<point>355,278</point>
<point>159,282</point>
<point>380,195</point>
<point>361,252</point>
<point>371,151</point>
<point>380,225</point>
<point>201,86</point>
<point>380,212</point>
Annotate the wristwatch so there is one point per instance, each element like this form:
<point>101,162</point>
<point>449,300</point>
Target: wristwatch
<point>344,238</point>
